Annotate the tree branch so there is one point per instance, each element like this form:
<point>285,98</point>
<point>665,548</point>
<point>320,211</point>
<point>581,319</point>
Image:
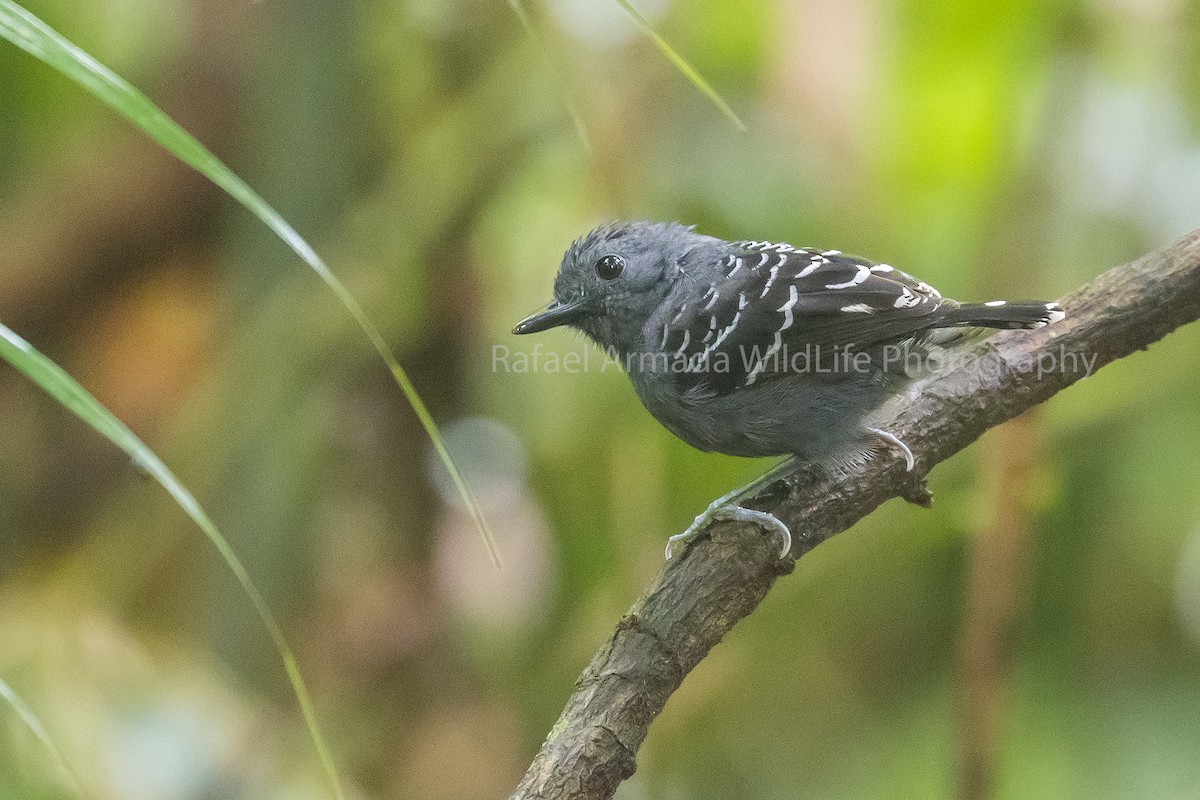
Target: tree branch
<point>725,574</point>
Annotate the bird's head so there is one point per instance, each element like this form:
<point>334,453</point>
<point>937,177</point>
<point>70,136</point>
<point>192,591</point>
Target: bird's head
<point>613,279</point>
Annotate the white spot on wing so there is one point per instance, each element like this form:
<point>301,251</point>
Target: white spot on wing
<point>858,308</point>
<point>786,308</point>
<point>770,280</point>
<point>816,263</point>
<point>687,337</point>
<point>726,331</point>
<point>995,303</point>
<point>861,275</point>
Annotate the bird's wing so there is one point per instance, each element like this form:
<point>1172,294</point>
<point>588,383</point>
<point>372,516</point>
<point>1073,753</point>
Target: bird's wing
<point>771,300</point>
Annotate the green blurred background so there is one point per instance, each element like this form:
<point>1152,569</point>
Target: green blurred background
<point>1037,634</point>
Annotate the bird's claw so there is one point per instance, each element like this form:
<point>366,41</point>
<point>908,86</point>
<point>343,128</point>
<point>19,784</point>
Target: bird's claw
<point>894,441</point>
<point>721,510</point>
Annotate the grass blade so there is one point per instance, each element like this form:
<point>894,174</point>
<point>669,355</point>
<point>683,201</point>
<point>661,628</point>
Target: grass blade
<point>518,7</point>
<point>35,37</point>
<point>39,732</point>
<point>682,65</point>
<point>63,388</point>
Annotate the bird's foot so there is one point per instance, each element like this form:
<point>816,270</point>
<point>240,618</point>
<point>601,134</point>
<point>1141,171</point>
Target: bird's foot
<point>914,491</point>
<point>894,441</point>
<point>722,509</point>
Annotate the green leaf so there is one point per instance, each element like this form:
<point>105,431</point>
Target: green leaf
<point>39,732</point>
<point>34,36</point>
<point>682,65</point>
<point>63,388</point>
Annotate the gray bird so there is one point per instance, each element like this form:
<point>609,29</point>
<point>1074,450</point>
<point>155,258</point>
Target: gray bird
<point>758,348</point>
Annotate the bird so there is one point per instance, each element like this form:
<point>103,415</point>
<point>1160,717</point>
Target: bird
<point>760,348</point>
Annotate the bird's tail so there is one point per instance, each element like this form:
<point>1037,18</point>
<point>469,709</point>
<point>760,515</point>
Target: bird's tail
<point>1002,314</point>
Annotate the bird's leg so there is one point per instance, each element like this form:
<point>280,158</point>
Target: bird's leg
<point>892,439</point>
<point>726,508</point>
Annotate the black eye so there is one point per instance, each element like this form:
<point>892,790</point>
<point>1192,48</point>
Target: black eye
<point>610,267</point>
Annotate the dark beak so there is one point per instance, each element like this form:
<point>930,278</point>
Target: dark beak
<point>551,316</point>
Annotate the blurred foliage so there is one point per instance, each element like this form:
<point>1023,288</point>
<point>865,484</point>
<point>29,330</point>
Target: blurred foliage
<point>427,149</point>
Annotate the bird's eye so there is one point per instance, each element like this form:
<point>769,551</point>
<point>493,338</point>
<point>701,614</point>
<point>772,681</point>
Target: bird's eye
<point>610,266</point>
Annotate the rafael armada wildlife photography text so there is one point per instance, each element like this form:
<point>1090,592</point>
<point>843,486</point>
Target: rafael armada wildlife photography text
<point>811,359</point>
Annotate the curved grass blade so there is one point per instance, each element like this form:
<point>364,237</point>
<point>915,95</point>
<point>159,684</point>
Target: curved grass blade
<point>35,37</point>
<point>682,65</point>
<point>519,9</point>
<point>63,388</point>
<point>39,732</point>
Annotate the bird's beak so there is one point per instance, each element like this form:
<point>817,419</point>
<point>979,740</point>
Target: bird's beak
<point>551,316</point>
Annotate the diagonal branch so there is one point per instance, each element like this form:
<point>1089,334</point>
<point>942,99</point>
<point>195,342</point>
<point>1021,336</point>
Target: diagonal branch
<point>707,588</point>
